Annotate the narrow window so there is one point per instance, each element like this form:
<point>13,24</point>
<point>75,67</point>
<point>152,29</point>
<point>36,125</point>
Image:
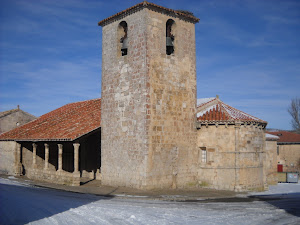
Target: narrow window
<point>277,150</point>
<point>204,154</point>
<point>169,37</point>
<point>124,39</point>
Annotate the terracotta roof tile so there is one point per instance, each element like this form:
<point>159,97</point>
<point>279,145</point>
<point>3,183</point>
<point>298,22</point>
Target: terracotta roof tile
<point>285,136</point>
<point>68,122</point>
<point>213,109</point>
<point>175,13</point>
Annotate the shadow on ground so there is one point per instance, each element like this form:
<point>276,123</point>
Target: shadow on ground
<point>25,204</point>
<point>86,181</point>
<point>289,202</point>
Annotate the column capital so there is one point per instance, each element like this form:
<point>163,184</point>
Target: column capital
<point>60,146</point>
<point>46,145</point>
<point>76,145</point>
<point>34,145</point>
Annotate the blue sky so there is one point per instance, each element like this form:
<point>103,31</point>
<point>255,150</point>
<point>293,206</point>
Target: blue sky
<point>248,52</point>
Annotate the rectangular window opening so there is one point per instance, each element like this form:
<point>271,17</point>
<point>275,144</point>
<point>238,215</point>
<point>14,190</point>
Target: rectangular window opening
<point>203,154</point>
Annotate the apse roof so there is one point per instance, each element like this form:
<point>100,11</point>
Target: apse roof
<point>213,109</point>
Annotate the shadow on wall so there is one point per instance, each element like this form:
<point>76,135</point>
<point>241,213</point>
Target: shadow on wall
<point>25,204</point>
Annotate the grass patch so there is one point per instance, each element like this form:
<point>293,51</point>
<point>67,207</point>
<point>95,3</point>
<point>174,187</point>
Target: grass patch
<point>203,184</point>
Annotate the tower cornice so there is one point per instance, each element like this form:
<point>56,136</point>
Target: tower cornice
<point>151,6</point>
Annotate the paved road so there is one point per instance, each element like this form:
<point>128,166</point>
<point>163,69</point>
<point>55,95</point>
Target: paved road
<point>23,203</point>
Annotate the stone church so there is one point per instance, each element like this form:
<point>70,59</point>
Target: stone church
<point>153,132</point>
<point>151,137</point>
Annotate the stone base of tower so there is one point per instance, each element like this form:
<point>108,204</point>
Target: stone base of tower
<point>173,168</point>
<point>150,183</point>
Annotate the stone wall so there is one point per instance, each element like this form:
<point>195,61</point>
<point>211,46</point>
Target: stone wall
<point>148,104</point>
<point>7,157</point>
<point>10,121</point>
<point>172,109</point>
<point>289,156</point>
<point>58,177</point>
<point>235,155</point>
<point>271,162</point>
<point>124,100</point>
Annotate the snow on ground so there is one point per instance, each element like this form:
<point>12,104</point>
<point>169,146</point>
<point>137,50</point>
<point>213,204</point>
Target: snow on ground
<point>281,189</point>
<point>21,203</point>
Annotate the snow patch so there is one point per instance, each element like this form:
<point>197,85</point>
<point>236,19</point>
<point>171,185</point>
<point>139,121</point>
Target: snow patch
<point>201,101</point>
<point>201,113</point>
<point>281,189</point>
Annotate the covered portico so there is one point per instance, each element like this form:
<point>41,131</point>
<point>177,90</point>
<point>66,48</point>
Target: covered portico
<point>45,170</point>
<point>62,146</point>
<point>63,162</point>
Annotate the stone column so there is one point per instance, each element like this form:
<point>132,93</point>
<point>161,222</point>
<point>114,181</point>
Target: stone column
<point>60,152</point>
<point>18,164</point>
<point>46,157</point>
<point>76,157</point>
<point>76,173</point>
<point>34,146</point>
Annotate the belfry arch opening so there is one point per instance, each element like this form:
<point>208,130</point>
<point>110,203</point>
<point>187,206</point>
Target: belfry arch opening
<point>123,29</point>
<point>169,37</point>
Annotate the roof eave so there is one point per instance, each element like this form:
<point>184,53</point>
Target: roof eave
<point>51,139</point>
<point>223,122</point>
<point>288,143</point>
<point>37,140</point>
<point>150,6</point>
<point>98,128</point>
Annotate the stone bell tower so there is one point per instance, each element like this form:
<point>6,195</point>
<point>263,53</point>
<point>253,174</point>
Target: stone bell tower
<point>148,112</point>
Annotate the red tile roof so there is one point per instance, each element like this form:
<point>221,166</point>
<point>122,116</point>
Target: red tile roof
<point>285,136</point>
<point>66,123</point>
<point>175,13</point>
<point>213,109</point>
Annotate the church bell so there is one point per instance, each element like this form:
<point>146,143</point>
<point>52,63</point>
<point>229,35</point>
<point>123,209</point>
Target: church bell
<point>125,44</point>
<point>169,41</point>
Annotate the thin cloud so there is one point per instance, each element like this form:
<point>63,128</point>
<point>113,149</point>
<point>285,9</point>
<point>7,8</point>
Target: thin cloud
<point>55,80</point>
<point>280,19</point>
<point>247,52</point>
